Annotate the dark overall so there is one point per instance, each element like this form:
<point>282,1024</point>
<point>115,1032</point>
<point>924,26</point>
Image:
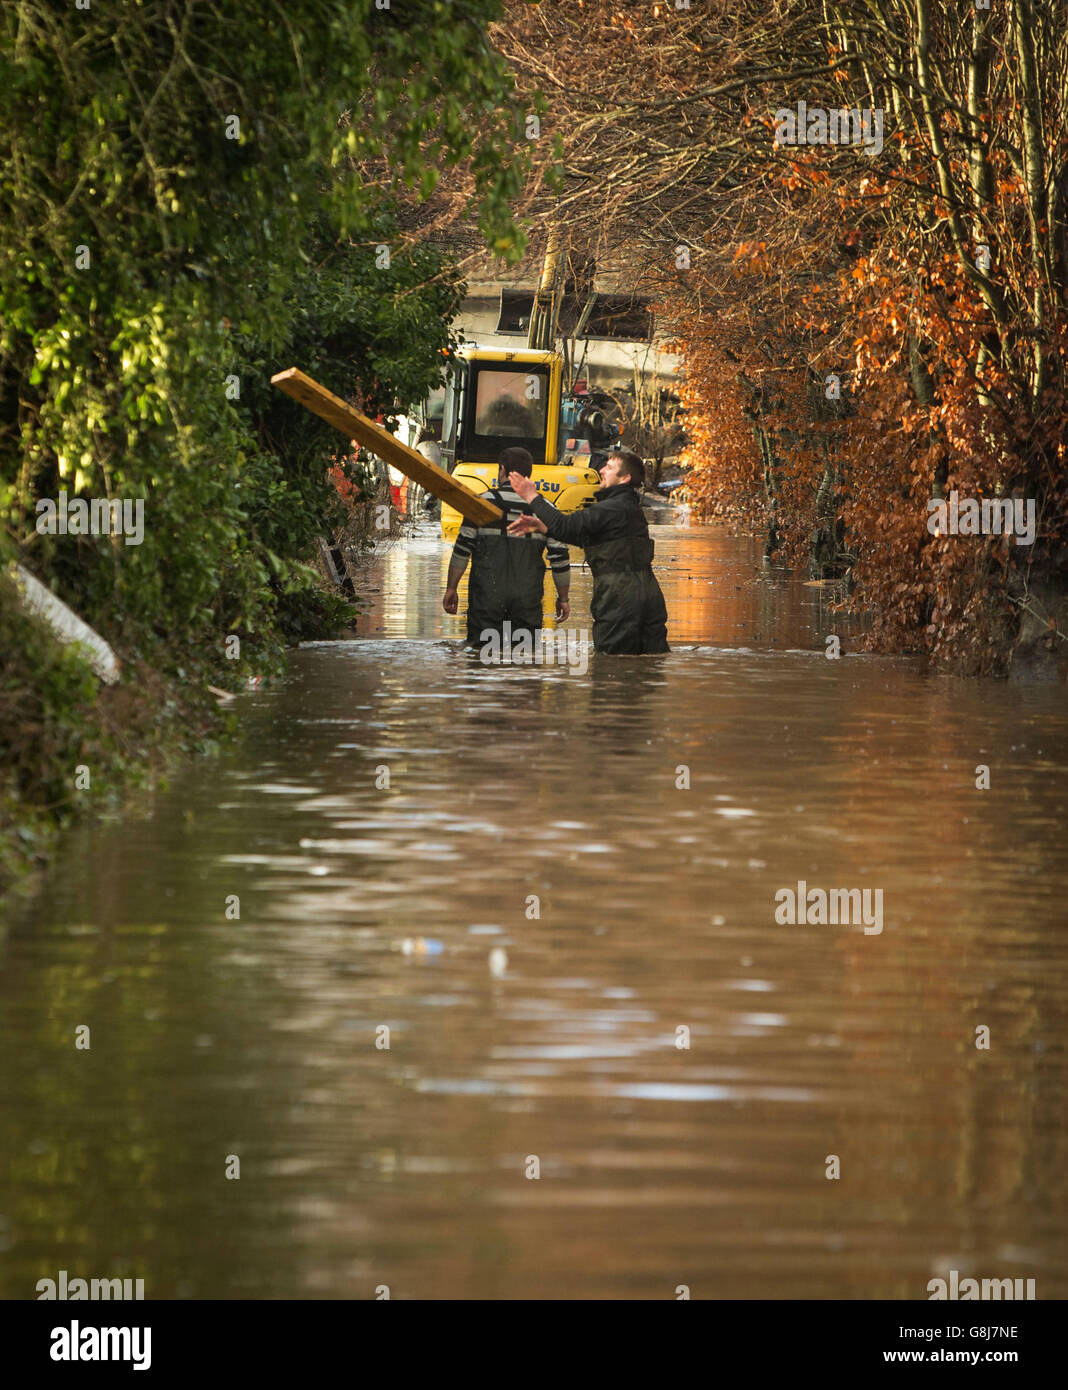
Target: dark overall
<point>507,578</point>
<point>629,613</point>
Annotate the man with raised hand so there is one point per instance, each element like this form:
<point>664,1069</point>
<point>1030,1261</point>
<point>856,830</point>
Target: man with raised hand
<point>629,613</point>
<point>507,568</point>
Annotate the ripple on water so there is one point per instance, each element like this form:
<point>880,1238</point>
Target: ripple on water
<point>614,1044</point>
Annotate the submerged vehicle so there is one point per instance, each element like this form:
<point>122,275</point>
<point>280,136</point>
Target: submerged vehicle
<point>497,398</point>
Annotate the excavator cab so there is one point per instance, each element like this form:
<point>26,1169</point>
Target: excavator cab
<point>500,398</point>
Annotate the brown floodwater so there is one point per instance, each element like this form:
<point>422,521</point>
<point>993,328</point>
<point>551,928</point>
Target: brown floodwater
<point>541,912</point>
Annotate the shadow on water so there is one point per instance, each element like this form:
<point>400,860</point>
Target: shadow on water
<point>505,869</point>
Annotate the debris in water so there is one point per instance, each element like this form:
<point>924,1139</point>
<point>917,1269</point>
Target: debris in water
<point>422,946</point>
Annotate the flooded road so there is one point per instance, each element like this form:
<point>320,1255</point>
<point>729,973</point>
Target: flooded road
<point>577,959</point>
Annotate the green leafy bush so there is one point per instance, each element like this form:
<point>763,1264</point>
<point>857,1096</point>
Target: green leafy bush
<point>191,195</point>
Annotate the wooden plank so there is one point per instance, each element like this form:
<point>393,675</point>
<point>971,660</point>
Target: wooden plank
<point>353,425</point>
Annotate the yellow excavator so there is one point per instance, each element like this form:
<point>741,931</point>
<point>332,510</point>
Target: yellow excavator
<point>496,398</point>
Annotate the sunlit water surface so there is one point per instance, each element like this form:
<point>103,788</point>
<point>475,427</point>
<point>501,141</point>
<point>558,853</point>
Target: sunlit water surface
<point>541,912</point>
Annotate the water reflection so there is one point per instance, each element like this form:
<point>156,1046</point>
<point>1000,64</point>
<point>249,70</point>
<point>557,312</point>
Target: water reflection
<point>539,813</point>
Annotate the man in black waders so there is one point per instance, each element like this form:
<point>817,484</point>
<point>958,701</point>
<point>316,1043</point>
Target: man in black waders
<point>507,571</point>
<point>629,613</point>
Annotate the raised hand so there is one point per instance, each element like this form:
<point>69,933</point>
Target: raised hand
<point>523,525</point>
